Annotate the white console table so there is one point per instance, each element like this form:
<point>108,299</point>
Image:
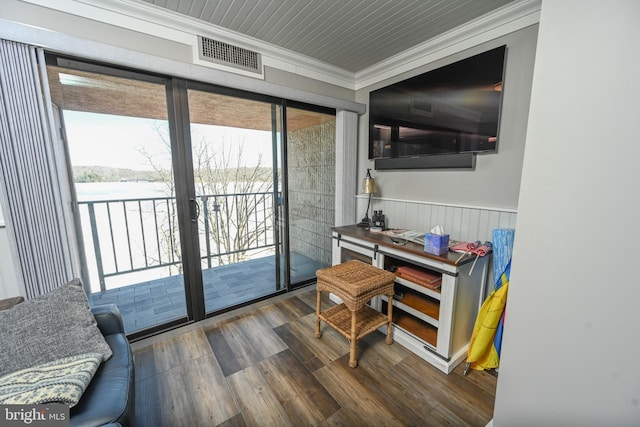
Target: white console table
<point>435,324</point>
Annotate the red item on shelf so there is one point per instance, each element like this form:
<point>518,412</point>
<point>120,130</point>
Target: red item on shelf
<point>429,280</point>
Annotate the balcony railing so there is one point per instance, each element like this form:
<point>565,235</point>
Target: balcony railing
<point>134,235</point>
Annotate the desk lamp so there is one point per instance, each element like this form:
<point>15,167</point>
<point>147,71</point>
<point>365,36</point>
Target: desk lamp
<point>369,188</point>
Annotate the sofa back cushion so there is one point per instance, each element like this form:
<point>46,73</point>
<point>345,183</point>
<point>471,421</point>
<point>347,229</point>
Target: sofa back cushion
<point>49,327</point>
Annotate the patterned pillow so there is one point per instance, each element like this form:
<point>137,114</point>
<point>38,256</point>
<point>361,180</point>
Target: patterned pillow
<point>49,327</point>
<point>60,381</point>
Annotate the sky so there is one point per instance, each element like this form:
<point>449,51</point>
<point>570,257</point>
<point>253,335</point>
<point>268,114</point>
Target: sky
<point>116,141</point>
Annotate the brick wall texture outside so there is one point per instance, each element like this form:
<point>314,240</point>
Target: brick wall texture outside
<point>311,161</point>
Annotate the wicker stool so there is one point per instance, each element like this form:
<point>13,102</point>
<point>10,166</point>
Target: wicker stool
<point>355,283</point>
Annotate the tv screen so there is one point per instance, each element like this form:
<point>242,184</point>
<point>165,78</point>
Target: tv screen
<point>452,109</point>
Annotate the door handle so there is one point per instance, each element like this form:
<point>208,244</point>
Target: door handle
<point>195,210</point>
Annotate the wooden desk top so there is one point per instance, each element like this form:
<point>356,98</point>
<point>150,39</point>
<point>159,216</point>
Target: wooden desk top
<point>412,248</point>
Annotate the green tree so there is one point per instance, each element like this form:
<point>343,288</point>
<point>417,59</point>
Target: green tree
<point>88,176</point>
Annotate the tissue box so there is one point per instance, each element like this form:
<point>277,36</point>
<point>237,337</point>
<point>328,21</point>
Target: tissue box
<point>436,244</point>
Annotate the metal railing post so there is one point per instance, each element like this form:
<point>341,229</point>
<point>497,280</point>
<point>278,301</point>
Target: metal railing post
<point>96,246</point>
<point>205,211</point>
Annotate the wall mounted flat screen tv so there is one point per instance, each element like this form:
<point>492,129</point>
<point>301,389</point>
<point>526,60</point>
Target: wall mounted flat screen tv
<point>450,110</point>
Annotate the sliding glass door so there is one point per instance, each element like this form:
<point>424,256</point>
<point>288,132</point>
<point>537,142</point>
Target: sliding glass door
<point>192,199</point>
<point>235,150</point>
<point>118,144</point>
<point>310,148</point>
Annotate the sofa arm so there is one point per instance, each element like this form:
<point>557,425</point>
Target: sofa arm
<point>108,318</point>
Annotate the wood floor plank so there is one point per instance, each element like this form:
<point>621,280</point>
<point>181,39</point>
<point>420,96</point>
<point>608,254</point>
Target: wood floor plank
<point>239,341</point>
<point>175,351</point>
<point>345,417</point>
<point>373,349</point>
<point>174,407</point>
<point>301,395</point>
<point>484,381</point>
<point>273,315</point>
<point>467,390</point>
<point>195,393</point>
<point>309,298</point>
<point>453,394</point>
<point>295,308</point>
<point>265,367</point>
<point>354,395</point>
<point>251,339</point>
<point>213,403</point>
<point>237,421</point>
<point>145,363</point>
<point>328,348</point>
<point>148,401</point>
<point>303,352</point>
<point>408,383</point>
<point>284,311</point>
<point>225,356</point>
<point>407,404</point>
<point>258,403</point>
<point>443,416</point>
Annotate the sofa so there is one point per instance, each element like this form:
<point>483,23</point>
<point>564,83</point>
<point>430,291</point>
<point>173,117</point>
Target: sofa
<point>110,397</point>
<point>108,394</point>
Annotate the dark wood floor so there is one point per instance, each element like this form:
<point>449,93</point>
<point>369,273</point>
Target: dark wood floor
<point>264,367</point>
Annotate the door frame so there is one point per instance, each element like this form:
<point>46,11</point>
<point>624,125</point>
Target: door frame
<point>188,209</point>
<point>187,206</point>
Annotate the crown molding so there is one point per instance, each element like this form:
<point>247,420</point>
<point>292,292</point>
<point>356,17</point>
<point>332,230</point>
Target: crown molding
<point>102,52</point>
<point>153,20</point>
<point>159,22</point>
<point>500,22</point>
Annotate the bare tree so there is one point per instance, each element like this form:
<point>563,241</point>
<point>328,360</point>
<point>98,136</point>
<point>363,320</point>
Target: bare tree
<point>237,200</point>
<point>167,230</point>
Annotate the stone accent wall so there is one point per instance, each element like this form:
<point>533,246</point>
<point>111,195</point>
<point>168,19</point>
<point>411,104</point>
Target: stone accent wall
<point>311,158</point>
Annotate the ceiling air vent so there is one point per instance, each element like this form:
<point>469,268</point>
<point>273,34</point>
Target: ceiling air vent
<point>226,54</point>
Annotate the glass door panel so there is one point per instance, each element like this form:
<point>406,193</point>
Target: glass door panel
<point>144,172</point>
<point>118,143</point>
<point>311,142</point>
<point>235,163</point>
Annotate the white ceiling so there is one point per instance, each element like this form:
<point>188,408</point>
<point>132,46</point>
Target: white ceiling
<point>349,34</point>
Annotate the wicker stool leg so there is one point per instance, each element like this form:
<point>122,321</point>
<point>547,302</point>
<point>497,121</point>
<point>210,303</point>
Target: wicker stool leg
<point>389,339</point>
<point>353,361</point>
<point>318,299</point>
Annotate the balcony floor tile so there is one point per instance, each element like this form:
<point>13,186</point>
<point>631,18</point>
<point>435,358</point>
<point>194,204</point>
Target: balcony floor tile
<point>154,302</point>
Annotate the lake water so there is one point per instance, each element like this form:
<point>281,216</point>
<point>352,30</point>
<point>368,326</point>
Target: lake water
<point>92,191</point>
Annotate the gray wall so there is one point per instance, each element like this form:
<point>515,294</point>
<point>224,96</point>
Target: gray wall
<point>570,349</point>
<point>73,25</point>
<point>296,81</point>
<point>495,182</point>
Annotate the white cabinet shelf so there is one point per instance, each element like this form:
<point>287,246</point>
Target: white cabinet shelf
<point>436,324</point>
<point>433,294</point>
<point>414,312</point>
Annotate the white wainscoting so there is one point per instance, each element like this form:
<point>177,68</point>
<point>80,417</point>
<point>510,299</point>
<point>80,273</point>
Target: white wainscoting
<point>466,223</point>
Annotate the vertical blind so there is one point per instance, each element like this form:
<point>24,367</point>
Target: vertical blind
<point>28,179</point>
